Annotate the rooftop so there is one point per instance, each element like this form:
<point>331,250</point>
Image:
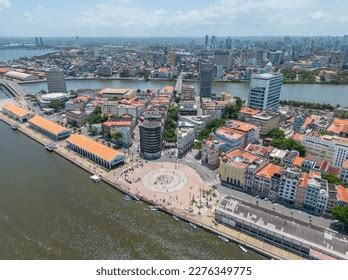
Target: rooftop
<point>342,194</point>
<point>250,111</point>
<point>298,161</point>
<point>338,126</point>
<point>14,109</point>
<point>94,147</point>
<point>345,164</point>
<point>118,91</point>
<point>118,123</point>
<point>229,133</point>
<point>321,239</point>
<point>269,170</point>
<point>242,126</point>
<point>47,125</point>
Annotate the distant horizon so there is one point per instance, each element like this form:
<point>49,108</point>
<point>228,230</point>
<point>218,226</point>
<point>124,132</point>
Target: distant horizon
<point>195,37</point>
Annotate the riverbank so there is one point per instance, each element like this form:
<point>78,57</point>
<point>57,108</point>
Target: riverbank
<point>137,79</point>
<point>204,221</point>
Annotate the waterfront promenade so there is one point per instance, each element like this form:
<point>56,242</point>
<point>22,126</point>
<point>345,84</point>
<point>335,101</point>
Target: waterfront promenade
<point>173,201</point>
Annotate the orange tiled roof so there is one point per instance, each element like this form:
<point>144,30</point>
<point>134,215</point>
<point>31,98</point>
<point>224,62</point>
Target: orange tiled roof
<point>307,122</point>
<point>94,147</point>
<point>297,137</point>
<point>250,111</point>
<point>243,154</point>
<point>269,170</point>
<point>345,164</point>
<point>118,123</point>
<point>342,194</point>
<point>338,125</point>
<point>229,132</point>
<point>47,125</point>
<point>14,109</point>
<point>242,126</point>
<point>304,180</point>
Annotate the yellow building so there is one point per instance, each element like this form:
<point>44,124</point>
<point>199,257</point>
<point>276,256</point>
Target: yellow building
<point>233,167</point>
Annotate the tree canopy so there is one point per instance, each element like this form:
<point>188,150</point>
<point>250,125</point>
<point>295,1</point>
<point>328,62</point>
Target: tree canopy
<point>340,213</point>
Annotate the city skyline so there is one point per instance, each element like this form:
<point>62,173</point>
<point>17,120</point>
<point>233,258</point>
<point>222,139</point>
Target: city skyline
<point>134,18</point>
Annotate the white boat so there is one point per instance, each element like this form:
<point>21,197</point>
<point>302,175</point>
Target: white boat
<point>224,239</point>
<point>136,198</point>
<point>50,146</point>
<point>95,178</point>
<point>193,226</point>
<point>243,249</point>
<point>127,198</point>
<point>176,218</point>
<point>153,208</point>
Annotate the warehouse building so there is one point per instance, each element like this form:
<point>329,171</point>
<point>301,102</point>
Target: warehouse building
<point>99,153</point>
<point>50,129</point>
<point>15,112</point>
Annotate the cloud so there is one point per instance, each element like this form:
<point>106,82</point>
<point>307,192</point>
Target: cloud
<point>4,4</point>
<point>37,15</point>
<point>322,17</point>
<point>221,15</point>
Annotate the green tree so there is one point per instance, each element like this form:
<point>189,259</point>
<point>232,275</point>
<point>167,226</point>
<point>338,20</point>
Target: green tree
<point>340,213</point>
<point>96,116</point>
<point>55,104</point>
<point>331,178</point>
<point>116,136</point>
<point>277,133</point>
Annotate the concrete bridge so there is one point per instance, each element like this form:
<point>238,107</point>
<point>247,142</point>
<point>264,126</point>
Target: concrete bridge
<point>15,89</point>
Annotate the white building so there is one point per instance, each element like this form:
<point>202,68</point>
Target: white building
<point>185,140</point>
<point>332,148</point>
<point>317,195</point>
<point>211,153</point>
<point>21,76</point>
<point>288,185</point>
<point>265,91</point>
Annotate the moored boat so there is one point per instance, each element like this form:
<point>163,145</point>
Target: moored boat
<point>127,198</point>
<point>176,218</point>
<point>14,126</point>
<point>193,226</point>
<point>243,249</point>
<point>95,178</point>
<point>224,239</point>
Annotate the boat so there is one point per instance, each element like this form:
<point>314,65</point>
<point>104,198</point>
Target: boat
<point>127,198</point>
<point>176,218</point>
<point>14,126</point>
<point>193,226</point>
<point>50,146</point>
<point>244,250</point>
<point>224,239</point>
<point>95,178</point>
<point>153,208</point>
<point>136,198</point>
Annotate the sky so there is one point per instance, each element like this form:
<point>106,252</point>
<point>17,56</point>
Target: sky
<point>172,18</point>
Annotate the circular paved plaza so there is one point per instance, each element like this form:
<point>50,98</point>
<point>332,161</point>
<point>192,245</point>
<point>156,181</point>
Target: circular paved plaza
<point>165,183</point>
<point>164,180</point>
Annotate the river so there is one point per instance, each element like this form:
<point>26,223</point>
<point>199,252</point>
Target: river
<point>50,209</point>
<point>9,54</point>
<point>332,94</point>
